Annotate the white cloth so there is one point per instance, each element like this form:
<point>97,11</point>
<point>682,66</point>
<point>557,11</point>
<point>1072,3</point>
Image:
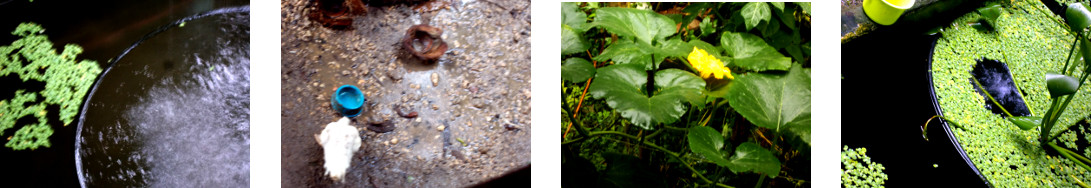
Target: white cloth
<point>339,142</point>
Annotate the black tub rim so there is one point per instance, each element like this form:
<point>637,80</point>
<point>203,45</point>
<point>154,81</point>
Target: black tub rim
<point>946,127</point>
<point>245,9</point>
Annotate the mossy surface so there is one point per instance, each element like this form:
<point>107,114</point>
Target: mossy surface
<point>1032,41</point>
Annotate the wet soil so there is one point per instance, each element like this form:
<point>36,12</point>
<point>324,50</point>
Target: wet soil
<point>472,106</point>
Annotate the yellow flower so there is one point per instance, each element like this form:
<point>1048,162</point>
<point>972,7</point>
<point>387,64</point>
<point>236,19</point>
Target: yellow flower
<point>707,65</point>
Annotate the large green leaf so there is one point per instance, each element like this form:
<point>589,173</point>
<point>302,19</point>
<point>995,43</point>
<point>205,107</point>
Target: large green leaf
<point>622,87</point>
<point>706,142</point>
<point>751,157</point>
<point>572,16</point>
<point>775,101</point>
<point>572,41</point>
<point>751,52</point>
<point>577,70</point>
<point>628,52</point>
<point>755,12</point>
<point>645,25</point>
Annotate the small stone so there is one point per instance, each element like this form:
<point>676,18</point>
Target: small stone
<point>394,141</point>
<point>440,128</point>
<point>414,86</point>
<point>345,72</point>
<point>435,79</point>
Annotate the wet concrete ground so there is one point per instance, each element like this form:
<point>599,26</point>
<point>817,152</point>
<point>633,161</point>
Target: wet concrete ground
<point>473,105</point>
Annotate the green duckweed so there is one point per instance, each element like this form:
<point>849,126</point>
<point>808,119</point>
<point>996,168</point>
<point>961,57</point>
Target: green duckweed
<point>1032,41</point>
<point>857,169</point>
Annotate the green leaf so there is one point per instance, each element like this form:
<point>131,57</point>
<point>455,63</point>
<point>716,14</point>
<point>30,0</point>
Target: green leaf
<point>770,29</point>
<point>572,16</point>
<point>751,52</point>
<point>645,25</point>
<point>775,101</point>
<point>755,12</point>
<point>1078,17</point>
<point>628,52</point>
<point>788,19</point>
<point>1060,85</point>
<point>708,26</point>
<point>622,87</point>
<point>577,70</point>
<point>572,41</point>
<point>778,5</point>
<point>1026,122</point>
<point>672,48</point>
<point>806,6</point>
<point>991,12</point>
<point>712,50</point>
<point>706,142</point>
<point>1085,49</point>
<point>751,157</point>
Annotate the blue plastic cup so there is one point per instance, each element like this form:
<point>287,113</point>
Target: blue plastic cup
<point>348,100</point>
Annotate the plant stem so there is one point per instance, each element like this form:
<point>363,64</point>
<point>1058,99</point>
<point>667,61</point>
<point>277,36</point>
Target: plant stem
<point>665,150</point>
<point>1060,110</point>
<point>1080,160</point>
<point>1070,52</point>
<point>978,84</point>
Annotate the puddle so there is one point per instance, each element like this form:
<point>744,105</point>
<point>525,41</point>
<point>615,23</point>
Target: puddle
<point>174,112</point>
<point>473,119</point>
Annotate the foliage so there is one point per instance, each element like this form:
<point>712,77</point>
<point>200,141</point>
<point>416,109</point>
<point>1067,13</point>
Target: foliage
<point>857,169</point>
<point>713,94</point>
<point>67,81</point>
<point>1033,43</point>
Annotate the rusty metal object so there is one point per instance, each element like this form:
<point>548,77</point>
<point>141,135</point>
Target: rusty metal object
<point>424,42</point>
<point>337,13</point>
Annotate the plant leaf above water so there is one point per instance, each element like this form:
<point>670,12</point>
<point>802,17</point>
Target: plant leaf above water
<point>775,101</point>
<point>1026,122</point>
<point>1060,85</point>
<point>1078,17</point>
<point>622,87</point>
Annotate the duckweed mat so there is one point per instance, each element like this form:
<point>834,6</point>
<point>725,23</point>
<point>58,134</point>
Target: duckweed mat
<point>1032,41</point>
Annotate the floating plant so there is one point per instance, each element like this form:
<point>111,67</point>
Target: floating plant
<point>1008,152</point>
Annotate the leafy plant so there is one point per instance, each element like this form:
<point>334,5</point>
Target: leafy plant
<point>1062,89</point>
<point>741,105</point>
<point>67,80</point>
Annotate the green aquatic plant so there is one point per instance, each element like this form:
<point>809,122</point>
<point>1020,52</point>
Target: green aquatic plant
<point>1014,151</point>
<point>857,169</point>
<point>719,91</point>
<point>66,79</point>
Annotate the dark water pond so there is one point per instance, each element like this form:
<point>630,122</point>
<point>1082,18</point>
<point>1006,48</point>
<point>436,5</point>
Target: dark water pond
<point>182,91</point>
<point>888,101</point>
